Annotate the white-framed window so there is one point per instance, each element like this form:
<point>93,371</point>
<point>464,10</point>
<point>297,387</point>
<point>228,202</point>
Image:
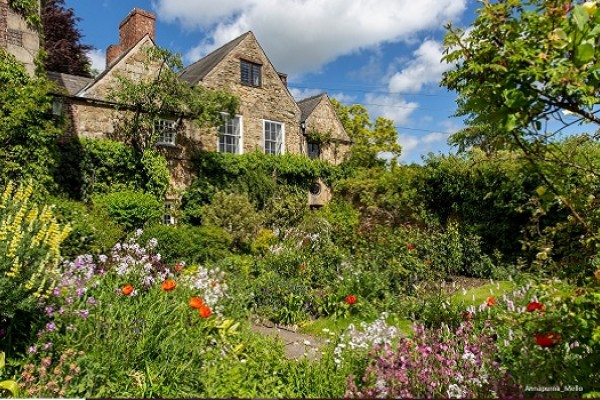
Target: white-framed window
<point>230,135</point>
<point>169,213</point>
<point>250,73</point>
<point>165,131</point>
<point>274,137</point>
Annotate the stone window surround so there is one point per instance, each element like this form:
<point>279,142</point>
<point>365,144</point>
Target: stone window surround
<point>282,125</point>
<point>167,132</point>
<point>254,73</point>
<point>168,217</point>
<point>240,123</point>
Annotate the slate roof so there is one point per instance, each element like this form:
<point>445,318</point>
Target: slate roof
<point>308,105</point>
<point>197,71</point>
<point>72,83</point>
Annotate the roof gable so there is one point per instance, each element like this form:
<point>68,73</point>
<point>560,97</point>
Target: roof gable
<point>97,87</point>
<point>197,71</point>
<point>308,105</point>
<point>314,105</point>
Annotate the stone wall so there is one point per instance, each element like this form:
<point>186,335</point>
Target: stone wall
<point>272,101</point>
<point>324,120</point>
<point>17,37</point>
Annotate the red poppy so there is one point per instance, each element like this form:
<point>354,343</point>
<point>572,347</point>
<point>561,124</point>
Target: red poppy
<point>410,247</point>
<point>205,312</point>
<point>549,339</point>
<point>196,302</point>
<point>490,301</point>
<point>534,305</point>
<point>178,267</point>
<point>127,290</point>
<point>467,316</point>
<point>168,285</point>
<point>351,299</point>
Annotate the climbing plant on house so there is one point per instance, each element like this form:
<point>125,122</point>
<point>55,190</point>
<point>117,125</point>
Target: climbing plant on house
<point>162,94</point>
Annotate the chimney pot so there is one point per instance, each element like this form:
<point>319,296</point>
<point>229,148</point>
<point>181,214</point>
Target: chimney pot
<point>137,24</point>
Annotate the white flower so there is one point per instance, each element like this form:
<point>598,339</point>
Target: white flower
<point>455,392</point>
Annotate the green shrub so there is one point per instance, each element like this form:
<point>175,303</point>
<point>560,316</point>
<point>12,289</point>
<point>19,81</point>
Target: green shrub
<point>91,167</point>
<point>92,230</point>
<point>131,209</point>
<point>192,244</point>
<point>236,214</point>
<point>287,207</point>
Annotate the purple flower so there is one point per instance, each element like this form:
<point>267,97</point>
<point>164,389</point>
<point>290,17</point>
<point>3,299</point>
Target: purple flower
<point>32,350</point>
<point>50,326</point>
<point>92,301</point>
<point>47,346</point>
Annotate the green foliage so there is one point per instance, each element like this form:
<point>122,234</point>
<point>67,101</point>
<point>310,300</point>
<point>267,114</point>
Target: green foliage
<point>487,195</point>
<point>8,385</point>
<point>521,67</point>
<point>131,209</point>
<point>370,139</point>
<point>30,239</point>
<point>163,93</point>
<point>27,128</point>
<point>384,196</point>
<point>235,214</point>
<point>192,244</point>
<point>92,166</point>
<point>286,208</point>
<point>92,230</point>
<point>29,9</point>
<point>257,174</point>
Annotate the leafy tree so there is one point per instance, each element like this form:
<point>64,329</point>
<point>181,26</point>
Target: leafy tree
<point>162,93</point>
<point>62,40</point>
<point>370,138</point>
<point>27,129</point>
<point>526,71</point>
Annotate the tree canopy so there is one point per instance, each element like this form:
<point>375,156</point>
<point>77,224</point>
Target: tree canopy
<point>370,138</point>
<point>525,71</point>
<point>62,40</point>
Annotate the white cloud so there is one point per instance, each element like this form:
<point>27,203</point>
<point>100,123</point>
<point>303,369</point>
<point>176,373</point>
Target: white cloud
<point>303,35</point>
<point>435,137</point>
<point>300,94</point>
<point>97,59</point>
<point>390,106</point>
<point>426,68</point>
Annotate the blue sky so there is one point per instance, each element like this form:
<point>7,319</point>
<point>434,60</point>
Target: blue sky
<point>384,54</point>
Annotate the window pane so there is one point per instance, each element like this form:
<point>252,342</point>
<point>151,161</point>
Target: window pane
<point>229,137</point>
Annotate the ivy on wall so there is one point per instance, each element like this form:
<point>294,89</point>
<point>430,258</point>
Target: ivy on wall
<point>29,10</point>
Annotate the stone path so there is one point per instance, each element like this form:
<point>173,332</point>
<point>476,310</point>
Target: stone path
<point>297,345</point>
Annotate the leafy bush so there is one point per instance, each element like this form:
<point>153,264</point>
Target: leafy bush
<point>30,239</point>
<point>91,167</point>
<point>132,210</point>
<point>192,244</point>
<point>28,131</point>
<point>92,230</point>
<point>259,175</point>
<point>235,214</point>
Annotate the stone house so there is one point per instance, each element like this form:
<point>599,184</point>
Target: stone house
<point>269,119</point>
<point>17,37</point>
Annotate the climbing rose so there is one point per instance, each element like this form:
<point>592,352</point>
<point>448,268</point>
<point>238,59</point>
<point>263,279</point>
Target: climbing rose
<point>205,312</point>
<point>127,290</point>
<point>350,299</point>
<point>534,305</point>
<point>196,302</point>
<point>168,285</point>
<point>549,339</point>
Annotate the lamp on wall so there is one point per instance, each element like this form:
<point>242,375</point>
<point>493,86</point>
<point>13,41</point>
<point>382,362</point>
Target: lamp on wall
<point>303,126</point>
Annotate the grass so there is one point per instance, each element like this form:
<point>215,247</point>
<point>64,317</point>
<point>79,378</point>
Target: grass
<point>338,325</point>
<point>479,295</point>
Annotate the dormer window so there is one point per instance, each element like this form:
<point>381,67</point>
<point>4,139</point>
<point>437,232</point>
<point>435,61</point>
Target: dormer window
<point>250,73</point>
<point>164,130</point>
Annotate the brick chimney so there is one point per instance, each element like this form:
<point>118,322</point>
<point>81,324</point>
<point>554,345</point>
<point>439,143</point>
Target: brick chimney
<point>134,27</point>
